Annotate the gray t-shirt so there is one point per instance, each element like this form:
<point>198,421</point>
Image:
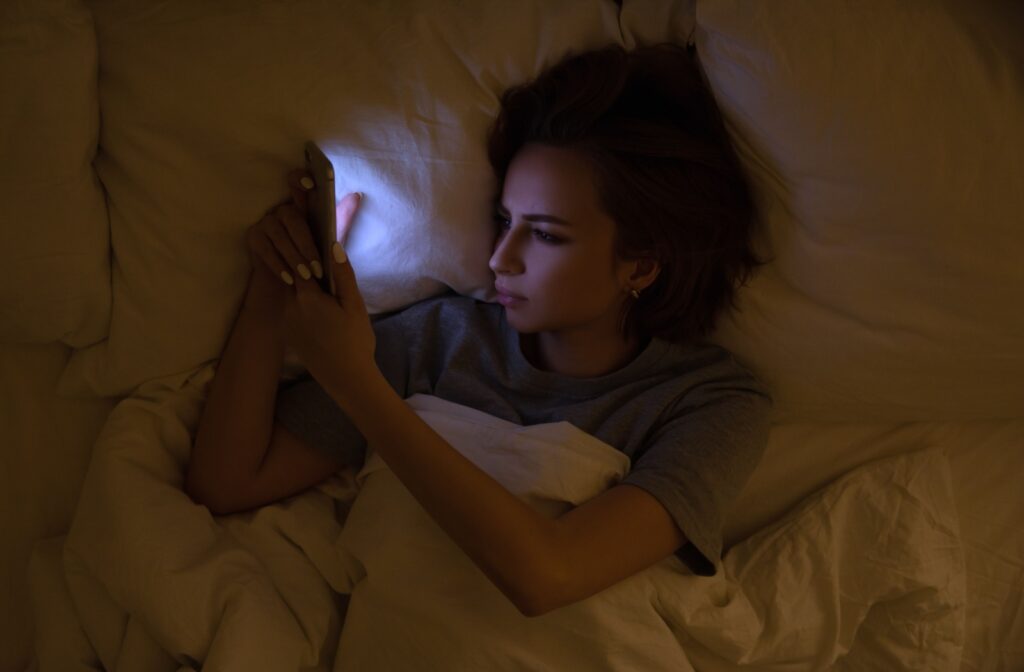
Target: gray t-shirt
<point>693,422</point>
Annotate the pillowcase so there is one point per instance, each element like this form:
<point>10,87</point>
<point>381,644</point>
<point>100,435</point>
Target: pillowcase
<point>651,21</point>
<point>54,239</point>
<point>206,108</point>
<point>884,143</point>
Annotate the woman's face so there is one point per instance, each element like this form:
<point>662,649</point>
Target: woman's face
<point>565,272</point>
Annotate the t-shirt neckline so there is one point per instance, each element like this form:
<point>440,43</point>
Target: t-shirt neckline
<point>522,371</point>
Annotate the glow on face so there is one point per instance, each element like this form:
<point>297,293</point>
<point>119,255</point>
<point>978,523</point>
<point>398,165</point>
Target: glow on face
<point>553,243</point>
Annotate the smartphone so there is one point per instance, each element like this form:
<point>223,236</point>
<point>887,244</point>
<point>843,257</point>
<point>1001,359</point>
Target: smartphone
<point>321,208</point>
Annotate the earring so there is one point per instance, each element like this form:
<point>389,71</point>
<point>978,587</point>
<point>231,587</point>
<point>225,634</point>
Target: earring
<point>636,294</point>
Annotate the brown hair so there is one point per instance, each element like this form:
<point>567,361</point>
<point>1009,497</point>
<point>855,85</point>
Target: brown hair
<point>665,170</point>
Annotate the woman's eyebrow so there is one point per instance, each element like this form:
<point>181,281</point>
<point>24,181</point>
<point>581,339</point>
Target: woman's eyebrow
<point>535,217</point>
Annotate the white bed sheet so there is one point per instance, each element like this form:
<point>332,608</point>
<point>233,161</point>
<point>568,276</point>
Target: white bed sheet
<point>46,442</point>
<point>986,461</point>
<point>47,460</point>
<point>252,591</point>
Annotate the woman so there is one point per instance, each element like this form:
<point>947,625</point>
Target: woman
<point>623,226</point>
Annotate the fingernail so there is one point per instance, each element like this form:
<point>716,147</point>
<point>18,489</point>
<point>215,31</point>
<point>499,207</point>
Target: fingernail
<point>339,253</point>
<point>287,277</point>
<point>318,270</point>
<point>306,183</point>
<point>304,272</point>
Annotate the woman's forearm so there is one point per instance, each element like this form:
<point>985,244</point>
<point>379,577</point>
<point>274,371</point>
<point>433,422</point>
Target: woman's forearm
<point>237,419</point>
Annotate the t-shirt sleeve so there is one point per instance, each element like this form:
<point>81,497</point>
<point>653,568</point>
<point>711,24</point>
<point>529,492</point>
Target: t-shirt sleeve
<point>305,409</point>
<point>700,459</point>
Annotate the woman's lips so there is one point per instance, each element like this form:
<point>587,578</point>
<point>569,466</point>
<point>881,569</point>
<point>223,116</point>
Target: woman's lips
<point>506,299</point>
<point>509,301</point>
<point>504,292</point>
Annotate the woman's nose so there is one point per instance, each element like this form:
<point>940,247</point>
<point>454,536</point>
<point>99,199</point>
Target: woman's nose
<point>504,259</point>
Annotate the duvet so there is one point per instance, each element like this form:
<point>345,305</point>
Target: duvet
<point>354,575</point>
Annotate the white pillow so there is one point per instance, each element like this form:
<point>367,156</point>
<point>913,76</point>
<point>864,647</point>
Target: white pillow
<point>887,150</point>
<point>651,21</point>
<point>54,237</point>
<point>206,107</point>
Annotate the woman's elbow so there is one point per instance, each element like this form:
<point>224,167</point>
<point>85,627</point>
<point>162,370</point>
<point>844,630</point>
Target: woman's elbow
<point>541,594</point>
<point>530,610</point>
<point>215,498</point>
<point>540,602</point>
<point>216,503</point>
<point>198,494</point>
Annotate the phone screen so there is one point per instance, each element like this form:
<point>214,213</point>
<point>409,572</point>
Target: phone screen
<point>321,207</point>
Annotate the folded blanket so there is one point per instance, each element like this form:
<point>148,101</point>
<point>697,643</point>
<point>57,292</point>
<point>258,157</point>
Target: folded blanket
<point>239,592</point>
<point>867,572</point>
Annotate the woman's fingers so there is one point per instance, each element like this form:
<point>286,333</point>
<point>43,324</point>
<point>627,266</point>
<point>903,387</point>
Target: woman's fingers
<point>295,251</point>
<point>346,214</point>
<point>298,231</point>
<point>264,247</point>
<point>289,234</point>
<point>299,182</point>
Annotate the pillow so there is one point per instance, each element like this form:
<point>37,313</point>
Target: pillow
<point>54,239</point>
<point>651,21</point>
<point>884,142</point>
<point>200,132</point>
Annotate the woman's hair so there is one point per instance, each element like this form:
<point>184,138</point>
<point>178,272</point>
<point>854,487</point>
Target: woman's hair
<point>665,170</point>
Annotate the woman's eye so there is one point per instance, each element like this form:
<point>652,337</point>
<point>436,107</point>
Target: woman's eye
<point>503,223</point>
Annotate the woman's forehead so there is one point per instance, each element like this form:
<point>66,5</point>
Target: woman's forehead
<point>550,178</point>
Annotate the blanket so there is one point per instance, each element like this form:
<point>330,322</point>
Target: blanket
<point>353,574</point>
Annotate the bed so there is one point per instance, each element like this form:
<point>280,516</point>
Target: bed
<point>884,527</point>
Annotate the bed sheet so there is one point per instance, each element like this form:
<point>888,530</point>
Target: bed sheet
<point>886,535</point>
<point>47,461</point>
<point>47,441</point>
<point>986,460</point>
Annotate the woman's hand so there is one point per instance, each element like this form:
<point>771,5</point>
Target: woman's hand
<point>332,335</point>
<point>280,246</point>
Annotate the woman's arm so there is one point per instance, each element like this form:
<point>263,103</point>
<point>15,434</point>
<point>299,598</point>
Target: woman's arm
<point>235,428</point>
<point>241,458</point>
<point>540,564</point>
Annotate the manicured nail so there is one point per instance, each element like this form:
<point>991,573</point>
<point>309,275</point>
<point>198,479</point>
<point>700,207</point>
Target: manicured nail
<point>318,270</point>
<point>304,272</point>
<point>339,253</point>
<point>287,277</point>
<point>306,183</point>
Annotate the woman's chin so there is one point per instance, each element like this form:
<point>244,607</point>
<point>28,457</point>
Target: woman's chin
<point>518,320</point>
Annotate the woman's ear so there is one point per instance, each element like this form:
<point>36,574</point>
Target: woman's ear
<point>645,272</point>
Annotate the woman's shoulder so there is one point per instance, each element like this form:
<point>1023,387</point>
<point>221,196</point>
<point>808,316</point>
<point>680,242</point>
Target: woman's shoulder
<point>713,370</point>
